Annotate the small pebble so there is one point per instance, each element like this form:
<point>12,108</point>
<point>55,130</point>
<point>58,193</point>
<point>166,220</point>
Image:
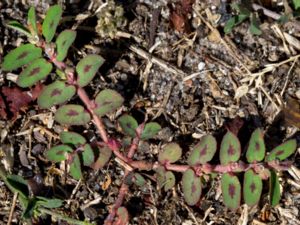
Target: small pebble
<point>201,66</point>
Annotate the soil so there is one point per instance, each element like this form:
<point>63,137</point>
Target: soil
<point>173,64</point>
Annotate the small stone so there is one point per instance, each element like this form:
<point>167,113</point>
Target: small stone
<point>201,66</point>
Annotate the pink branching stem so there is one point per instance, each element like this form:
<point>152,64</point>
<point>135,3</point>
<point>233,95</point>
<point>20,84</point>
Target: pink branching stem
<point>124,187</point>
<point>80,91</point>
<point>133,147</point>
<point>90,105</point>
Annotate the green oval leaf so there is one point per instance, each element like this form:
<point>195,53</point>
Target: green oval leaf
<point>49,203</point>
<point>234,21</point>
<point>128,125</point>
<point>54,94</point>
<point>19,184</point>
<point>204,151</point>
<point>122,216</point>
<point>88,155</point>
<point>63,43</point>
<point>191,187</point>
<point>252,187</point>
<point>72,115</point>
<point>75,167</point>
<point>283,151</point>
<point>20,56</point>
<point>58,153</point>
<point>165,179</point>
<point>256,147</point>
<point>104,156</point>
<point>107,101</point>
<point>87,69</point>
<point>254,25</point>
<point>150,130</point>
<point>231,190</point>
<point>274,189</point>
<point>19,27</point>
<point>138,180</point>
<point>230,149</point>
<point>37,70</point>
<point>51,21</point>
<point>31,21</point>
<point>73,138</point>
<point>170,153</point>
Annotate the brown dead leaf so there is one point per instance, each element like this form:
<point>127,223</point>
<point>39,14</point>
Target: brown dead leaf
<point>235,125</point>
<point>106,183</point>
<point>291,112</point>
<point>17,100</point>
<point>179,15</point>
<point>3,114</point>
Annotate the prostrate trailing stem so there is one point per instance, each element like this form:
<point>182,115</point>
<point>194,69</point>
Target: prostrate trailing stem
<point>75,150</point>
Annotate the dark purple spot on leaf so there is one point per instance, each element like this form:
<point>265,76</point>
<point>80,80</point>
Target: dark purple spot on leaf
<point>60,153</point>
<point>87,68</point>
<point>231,190</point>
<point>35,71</point>
<point>231,150</point>
<point>72,113</point>
<point>55,92</point>
<point>63,44</point>
<point>128,125</point>
<point>203,151</point>
<point>252,187</point>
<point>279,152</point>
<point>257,146</point>
<point>106,103</point>
<point>52,24</point>
<point>23,55</point>
<point>194,188</point>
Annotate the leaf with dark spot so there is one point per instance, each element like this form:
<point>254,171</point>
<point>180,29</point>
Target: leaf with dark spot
<point>73,138</point>
<point>230,148</point>
<point>150,130</point>
<point>51,22</point>
<point>55,94</point>
<point>36,71</point>
<point>252,187</point>
<point>170,153</point>
<point>63,43</point>
<point>20,56</point>
<point>231,190</point>
<point>128,125</point>
<point>108,101</point>
<point>204,151</point>
<point>283,151</point>
<point>87,69</point>
<point>72,115</point>
<point>256,147</point>
<point>58,153</point>
<point>191,187</point>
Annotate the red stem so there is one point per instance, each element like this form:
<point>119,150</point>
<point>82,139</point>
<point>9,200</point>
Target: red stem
<point>90,107</point>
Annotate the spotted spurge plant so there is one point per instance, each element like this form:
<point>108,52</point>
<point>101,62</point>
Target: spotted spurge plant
<point>42,57</point>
